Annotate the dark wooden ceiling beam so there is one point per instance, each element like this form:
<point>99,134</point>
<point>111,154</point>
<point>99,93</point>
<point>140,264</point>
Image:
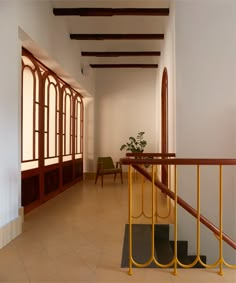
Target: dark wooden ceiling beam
<point>116,36</point>
<point>120,53</point>
<point>108,12</point>
<point>103,66</point>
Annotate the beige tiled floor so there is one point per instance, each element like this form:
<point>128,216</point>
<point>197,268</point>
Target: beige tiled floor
<point>78,237</point>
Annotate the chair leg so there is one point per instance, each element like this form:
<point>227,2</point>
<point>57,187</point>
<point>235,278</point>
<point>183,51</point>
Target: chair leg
<point>102,180</point>
<point>96,178</point>
<point>114,177</point>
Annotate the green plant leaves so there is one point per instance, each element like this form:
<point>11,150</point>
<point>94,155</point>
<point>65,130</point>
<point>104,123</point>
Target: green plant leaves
<point>135,144</point>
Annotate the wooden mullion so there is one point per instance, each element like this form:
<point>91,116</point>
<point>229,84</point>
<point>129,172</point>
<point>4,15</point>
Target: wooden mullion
<point>75,124</point>
<point>71,124</point>
<point>22,100</point>
<point>55,119</point>
<point>64,125</point>
<point>60,138</point>
<point>48,112</point>
<point>41,135</point>
<point>34,111</point>
<point>81,128</point>
<point>73,133</point>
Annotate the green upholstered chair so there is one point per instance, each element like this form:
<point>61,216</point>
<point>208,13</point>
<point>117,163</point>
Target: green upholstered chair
<point>105,166</point>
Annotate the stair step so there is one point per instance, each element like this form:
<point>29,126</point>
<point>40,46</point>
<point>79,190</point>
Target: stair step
<point>164,249</point>
<point>164,252</point>
<point>162,231</point>
<point>141,242</point>
<point>190,259</point>
<point>197,265</point>
<point>182,248</point>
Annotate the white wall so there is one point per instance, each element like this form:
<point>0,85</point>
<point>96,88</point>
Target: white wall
<point>9,116</point>
<point>206,105</point>
<point>10,174</point>
<point>48,38</point>
<point>167,60</point>
<point>125,105</point>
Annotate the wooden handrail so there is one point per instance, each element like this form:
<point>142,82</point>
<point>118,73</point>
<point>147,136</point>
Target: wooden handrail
<point>150,155</point>
<point>184,204</point>
<point>178,161</point>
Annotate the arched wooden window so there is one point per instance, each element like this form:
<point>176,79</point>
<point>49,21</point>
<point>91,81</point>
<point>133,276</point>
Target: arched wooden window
<point>52,133</point>
<point>30,113</point>
<point>51,118</point>
<point>79,114</point>
<point>164,122</point>
<point>67,123</point>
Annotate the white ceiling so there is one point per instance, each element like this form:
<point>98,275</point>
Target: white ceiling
<point>116,24</point>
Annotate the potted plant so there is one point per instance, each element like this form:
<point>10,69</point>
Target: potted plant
<point>135,144</point>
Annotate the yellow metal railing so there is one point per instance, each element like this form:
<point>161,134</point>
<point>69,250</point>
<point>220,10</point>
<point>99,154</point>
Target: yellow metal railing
<point>172,194</point>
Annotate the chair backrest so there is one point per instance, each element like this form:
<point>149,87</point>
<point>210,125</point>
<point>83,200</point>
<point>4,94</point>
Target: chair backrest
<point>107,162</point>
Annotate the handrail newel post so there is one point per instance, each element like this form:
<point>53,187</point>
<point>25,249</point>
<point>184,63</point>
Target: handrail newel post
<point>198,211</point>
<point>175,222</point>
<point>221,219</point>
<point>153,214</point>
<point>130,219</point>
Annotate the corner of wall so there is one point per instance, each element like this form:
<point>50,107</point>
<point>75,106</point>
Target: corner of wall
<point>12,229</point>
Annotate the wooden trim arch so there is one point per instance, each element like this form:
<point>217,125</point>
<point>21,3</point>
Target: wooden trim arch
<point>164,123</point>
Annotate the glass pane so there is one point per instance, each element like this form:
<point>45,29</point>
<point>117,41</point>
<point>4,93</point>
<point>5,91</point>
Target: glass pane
<point>78,127</point>
<point>58,123</point>
<point>46,92</point>
<point>57,152</point>
<point>51,161</point>
<point>36,87</point>
<point>79,155</point>
<point>36,145</point>
<point>66,158</point>
<point>45,145</point>
<point>28,62</point>
<point>36,117</point>
<point>52,120</point>
<point>29,165</point>
<point>27,115</point>
<point>45,119</point>
<point>68,124</point>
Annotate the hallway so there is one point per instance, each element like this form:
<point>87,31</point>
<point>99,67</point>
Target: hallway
<point>78,237</point>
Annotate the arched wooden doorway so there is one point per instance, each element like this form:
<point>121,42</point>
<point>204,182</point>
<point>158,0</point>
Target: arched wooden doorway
<point>164,123</point>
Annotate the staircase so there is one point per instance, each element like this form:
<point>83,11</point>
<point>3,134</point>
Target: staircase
<point>161,251</point>
<point>164,248</point>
